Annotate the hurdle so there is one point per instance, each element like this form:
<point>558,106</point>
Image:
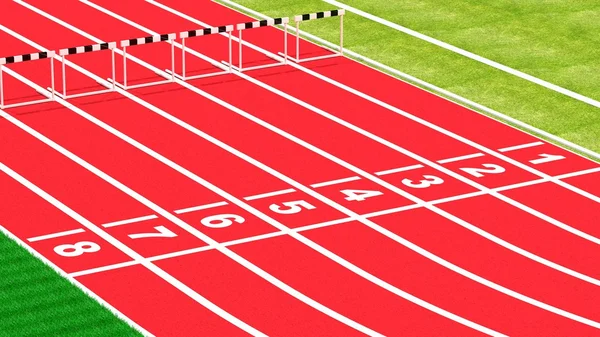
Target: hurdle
<point>26,58</point>
<point>256,24</point>
<point>315,16</point>
<point>203,32</point>
<point>63,53</point>
<point>147,40</point>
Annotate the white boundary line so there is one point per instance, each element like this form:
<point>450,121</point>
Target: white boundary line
<point>55,235</point>
<point>452,160</point>
<point>520,147</point>
<point>372,278</point>
<point>327,223</point>
<point>468,54</point>
<point>434,90</point>
<point>400,169</point>
<point>366,221</point>
<point>129,221</point>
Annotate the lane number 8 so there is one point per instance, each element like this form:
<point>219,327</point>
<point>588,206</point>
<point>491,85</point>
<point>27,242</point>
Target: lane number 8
<point>77,249</point>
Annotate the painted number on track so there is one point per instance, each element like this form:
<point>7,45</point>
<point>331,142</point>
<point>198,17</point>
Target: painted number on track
<point>425,183</point>
<point>221,220</point>
<point>163,232</point>
<point>360,195</point>
<point>76,249</point>
<point>291,207</point>
<point>489,169</point>
<point>546,158</point>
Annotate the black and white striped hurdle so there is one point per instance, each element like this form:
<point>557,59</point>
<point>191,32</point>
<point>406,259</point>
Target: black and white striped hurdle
<point>170,38</point>
<point>4,61</point>
<point>63,53</point>
<point>203,32</point>
<point>317,16</point>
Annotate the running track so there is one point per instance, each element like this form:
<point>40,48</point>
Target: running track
<point>326,199</point>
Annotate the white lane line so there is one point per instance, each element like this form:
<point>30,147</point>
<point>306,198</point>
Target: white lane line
<point>575,174</point>
<point>270,194</point>
<point>166,214</point>
<point>519,147</point>
<point>469,55</point>
<point>56,235</point>
<point>129,221</point>
<point>276,224</point>
<point>400,169</point>
<point>469,156</point>
<point>383,183</point>
<point>335,182</point>
<point>201,207</point>
<point>432,89</point>
<point>105,268</point>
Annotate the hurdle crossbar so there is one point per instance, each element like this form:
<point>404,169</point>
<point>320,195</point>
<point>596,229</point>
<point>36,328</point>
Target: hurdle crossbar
<point>4,61</point>
<point>257,24</point>
<point>147,40</point>
<point>63,53</point>
<point>203,32</point>
<point>315,16</point>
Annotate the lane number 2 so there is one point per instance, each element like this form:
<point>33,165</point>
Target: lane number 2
<point>489,169</point>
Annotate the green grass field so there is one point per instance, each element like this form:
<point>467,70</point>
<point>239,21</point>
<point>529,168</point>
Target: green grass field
<point>550,39</point>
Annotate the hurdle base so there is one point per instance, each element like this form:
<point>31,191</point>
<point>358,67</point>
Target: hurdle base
<point>143,85</point>
<point>264,66</point>
<point>316,58</point>
<point>195,77</point>
<point>16,105</point>
<point>84,94</point>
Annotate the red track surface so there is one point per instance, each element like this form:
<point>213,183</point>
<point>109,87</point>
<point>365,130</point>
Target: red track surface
<point>476,260</point>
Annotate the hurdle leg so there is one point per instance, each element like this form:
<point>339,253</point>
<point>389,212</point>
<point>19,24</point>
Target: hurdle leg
<point>183,58</point>
<point>173,60</point>
<point>64,77</point>
<point>1,87</point>
<point>297,41</point>
<point>52,75</point>
<point>341,35</point>
<point>125,68</point>
<point>230,52</point>
<point>240,53</point>
<point>285,43</point>
<point>114,78</point>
